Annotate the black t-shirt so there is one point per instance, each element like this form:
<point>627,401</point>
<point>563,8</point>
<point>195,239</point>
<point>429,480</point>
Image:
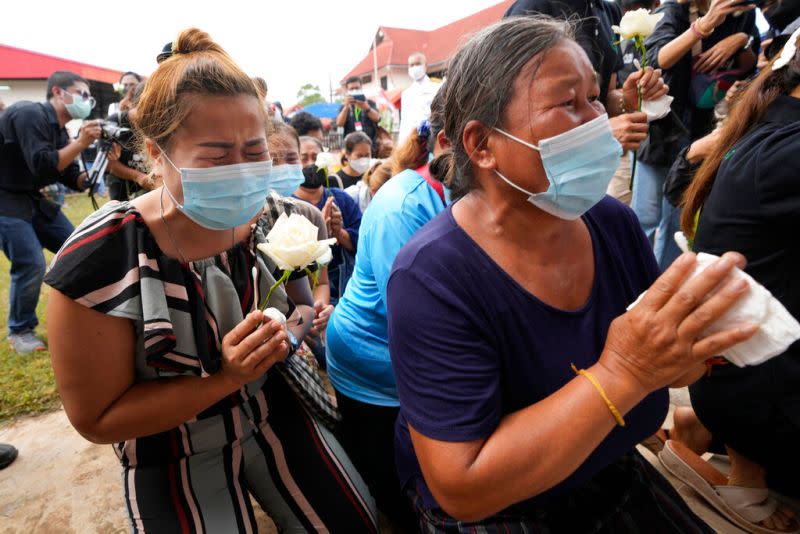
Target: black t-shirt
<point>593,34</point>
<point>129,155</point>
<point>347,180</point>
<point>754,205</point>
<point>783,15</point>
<point>630,55</point>
<point>358,116</point>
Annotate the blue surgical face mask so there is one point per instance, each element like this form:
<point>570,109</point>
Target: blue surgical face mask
<point>579,164</point>
<point>224,197</point>
<point>285,179</point>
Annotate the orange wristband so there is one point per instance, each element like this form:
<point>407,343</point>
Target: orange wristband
<point>613,409</point>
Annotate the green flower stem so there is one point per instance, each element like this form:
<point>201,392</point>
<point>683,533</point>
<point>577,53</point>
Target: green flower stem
<point>639,41</point>
<point>314,278</point>
<point>327,179</point>
<point>281,280</point>
<point>639,44</point>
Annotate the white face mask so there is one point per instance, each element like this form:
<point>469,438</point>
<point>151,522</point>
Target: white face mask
<point>360,165</point>
<point>417,72</point>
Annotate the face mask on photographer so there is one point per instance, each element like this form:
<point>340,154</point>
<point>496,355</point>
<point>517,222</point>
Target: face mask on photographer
<point>223,197</point>
<point>81,106</point>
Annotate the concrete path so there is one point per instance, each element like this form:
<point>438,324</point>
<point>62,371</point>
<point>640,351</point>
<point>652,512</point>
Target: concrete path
<point>63,484</point>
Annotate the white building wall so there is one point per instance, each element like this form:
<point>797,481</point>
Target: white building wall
<point>399,78</point>
<point>33,90</point>
<point>396,78</point>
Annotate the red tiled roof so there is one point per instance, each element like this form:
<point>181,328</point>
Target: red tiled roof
<point>438,45</point>
<point>19,64</point>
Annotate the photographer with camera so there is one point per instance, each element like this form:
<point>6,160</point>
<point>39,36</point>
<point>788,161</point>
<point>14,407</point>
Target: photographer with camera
<point>36,151</point>
<point>127,172</point>
<point>358,114</point>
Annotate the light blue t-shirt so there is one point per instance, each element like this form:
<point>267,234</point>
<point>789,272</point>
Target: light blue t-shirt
<point>358,359</point>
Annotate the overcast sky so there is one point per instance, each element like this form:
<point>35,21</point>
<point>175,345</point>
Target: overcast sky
<point>287,42</point>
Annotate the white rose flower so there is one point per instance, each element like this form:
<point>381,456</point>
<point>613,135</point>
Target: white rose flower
<point>326,160</point>
<point>637,23</point>
<point>292,243</point>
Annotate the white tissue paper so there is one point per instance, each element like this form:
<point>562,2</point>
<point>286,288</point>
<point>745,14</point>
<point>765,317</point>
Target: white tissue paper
<point>777,327</point>
<point>657,109</point>
<point>276,315</point>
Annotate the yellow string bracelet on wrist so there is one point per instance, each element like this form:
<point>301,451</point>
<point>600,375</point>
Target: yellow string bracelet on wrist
<point>613,409</point>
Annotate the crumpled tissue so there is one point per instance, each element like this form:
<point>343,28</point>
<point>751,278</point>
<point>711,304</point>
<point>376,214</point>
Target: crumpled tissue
<point>658,108</point>
<point>777,328</point>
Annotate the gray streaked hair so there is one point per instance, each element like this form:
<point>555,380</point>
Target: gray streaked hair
<point>480,79</point>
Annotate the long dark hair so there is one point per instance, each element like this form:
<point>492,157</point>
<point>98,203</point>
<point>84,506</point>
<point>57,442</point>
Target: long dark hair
<point>748,110</point>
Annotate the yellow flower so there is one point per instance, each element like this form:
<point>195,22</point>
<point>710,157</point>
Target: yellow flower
<point>638,23</point>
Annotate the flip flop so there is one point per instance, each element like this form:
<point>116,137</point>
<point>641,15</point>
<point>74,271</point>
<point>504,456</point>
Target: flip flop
<point>744,507</point>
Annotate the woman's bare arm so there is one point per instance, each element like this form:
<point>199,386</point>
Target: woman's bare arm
<point>93,360</point>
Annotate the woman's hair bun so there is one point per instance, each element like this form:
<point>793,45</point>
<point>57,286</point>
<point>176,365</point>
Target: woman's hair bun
<point>194,40</point>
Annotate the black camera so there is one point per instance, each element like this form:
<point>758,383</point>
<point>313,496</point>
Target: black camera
<point>111,131</point>
<point>360,97</point>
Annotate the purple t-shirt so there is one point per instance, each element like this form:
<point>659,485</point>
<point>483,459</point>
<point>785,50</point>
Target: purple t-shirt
<point>469,345</point>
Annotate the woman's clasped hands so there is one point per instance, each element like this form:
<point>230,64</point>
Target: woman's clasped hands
<point>659,342</point>
<point>249,351</point>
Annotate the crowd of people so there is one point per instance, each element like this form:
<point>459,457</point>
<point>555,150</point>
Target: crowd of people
<point>473,319</point>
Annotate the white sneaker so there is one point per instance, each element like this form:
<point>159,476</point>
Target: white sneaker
<point>26,342</point>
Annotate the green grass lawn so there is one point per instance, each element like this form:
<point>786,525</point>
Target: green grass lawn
<point>26,381</point>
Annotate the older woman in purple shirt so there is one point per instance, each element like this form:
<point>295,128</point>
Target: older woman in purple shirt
<point>524,385</point>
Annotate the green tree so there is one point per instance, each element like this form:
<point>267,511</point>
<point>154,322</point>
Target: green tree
<point>309,94</point>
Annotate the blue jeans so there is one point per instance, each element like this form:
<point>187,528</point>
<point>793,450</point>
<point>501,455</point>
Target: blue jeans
<point>659,219</point>
<point>22,243</point>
